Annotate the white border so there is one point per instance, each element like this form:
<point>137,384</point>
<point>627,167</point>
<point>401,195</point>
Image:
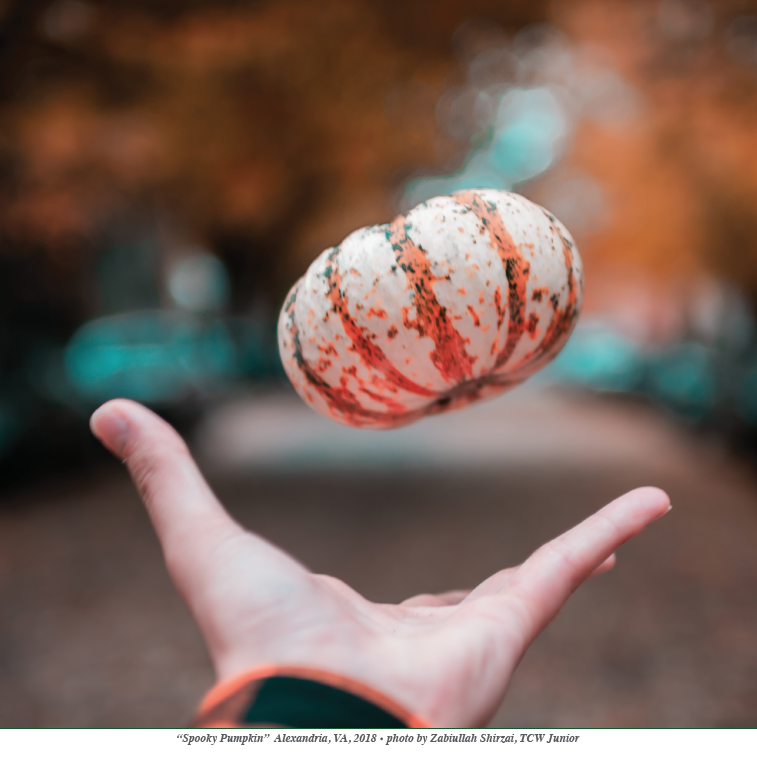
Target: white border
<point>283,742</point>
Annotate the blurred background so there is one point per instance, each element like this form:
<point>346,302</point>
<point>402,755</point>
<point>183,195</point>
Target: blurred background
<point>169,168</point>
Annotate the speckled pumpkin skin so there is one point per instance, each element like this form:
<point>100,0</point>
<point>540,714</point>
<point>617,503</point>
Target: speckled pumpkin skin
<point>459,299</point>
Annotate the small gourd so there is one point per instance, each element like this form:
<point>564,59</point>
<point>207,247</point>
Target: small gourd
<point>459,299</point>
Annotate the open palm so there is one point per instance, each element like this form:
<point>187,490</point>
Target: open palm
<point>448,658</point>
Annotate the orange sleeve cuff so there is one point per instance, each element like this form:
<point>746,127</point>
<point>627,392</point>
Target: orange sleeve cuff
<point>226,704</point>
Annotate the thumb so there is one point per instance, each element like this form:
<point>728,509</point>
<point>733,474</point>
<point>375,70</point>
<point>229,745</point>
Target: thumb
<point>188,519</point>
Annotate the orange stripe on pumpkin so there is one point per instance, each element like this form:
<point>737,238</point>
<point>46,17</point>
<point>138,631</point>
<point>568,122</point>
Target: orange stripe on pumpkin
<point>563,319</point>
<point>340,400</point>
<point>517,269</point>
<point>370,353</point>
<point>449,355</point>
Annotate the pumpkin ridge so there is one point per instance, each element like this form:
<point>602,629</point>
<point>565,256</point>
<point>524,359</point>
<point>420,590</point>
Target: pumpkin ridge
<point>340,400</point>
<point>449,355</point>
<point>563,319</point>
<point>369,352</point>
<point>517,269</point>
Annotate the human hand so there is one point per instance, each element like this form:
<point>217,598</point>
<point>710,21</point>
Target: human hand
<point>448,658</point>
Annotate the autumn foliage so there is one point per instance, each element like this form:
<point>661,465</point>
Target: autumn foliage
<point>266,131</point>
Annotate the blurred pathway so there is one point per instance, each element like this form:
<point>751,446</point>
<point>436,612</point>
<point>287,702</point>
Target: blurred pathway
<point>92,634</point>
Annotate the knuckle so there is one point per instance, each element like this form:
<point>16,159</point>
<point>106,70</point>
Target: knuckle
<point>562,551</point>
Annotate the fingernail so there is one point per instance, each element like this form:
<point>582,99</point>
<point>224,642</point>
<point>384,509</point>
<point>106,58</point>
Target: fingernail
<point>111,429</point>
<point>670,507</point>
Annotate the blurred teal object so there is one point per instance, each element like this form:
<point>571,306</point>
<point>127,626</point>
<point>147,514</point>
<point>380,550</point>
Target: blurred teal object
<point>529,124</point>
<point>746,395</point>
<point>600,359</point>
<point>152,356</point>
<point>523,144</point>
<point>684,378</point>
<point>9,426</point>
<point>200,282</point>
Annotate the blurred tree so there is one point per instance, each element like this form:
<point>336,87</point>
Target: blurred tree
<point>682,177</point>
<point>268,130</point>
<point>264,130</point>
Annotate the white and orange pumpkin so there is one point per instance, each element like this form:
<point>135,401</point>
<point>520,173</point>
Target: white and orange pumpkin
<point>459,299</point>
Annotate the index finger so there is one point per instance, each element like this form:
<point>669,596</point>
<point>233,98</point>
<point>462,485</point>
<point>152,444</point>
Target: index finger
<point>546,580</point>
<point>534,594</point>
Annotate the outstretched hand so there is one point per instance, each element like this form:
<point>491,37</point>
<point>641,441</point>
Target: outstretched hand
<point>446,657</point>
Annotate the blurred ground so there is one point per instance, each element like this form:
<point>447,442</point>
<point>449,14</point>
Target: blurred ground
<point>92,634</point>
